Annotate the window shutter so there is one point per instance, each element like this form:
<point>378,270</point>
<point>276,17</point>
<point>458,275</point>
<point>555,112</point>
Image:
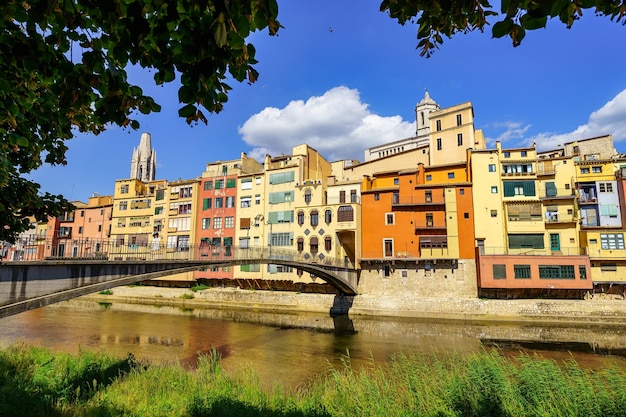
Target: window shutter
<point>550,189</point>
<point>509,189</point>
<point>529,188</point>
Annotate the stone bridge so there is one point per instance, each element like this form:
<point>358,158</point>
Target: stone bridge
<point>29,284</point>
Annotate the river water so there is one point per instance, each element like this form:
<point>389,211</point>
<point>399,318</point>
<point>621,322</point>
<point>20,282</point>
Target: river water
<point>291,349</point>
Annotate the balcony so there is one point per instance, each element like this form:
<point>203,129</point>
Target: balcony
<point>555,219</point>
<point>430,227</point>
<point>419,201</point>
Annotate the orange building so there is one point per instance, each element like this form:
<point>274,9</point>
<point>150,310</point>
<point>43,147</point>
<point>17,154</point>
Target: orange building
<point>417,224</point>
<point>82,233</point>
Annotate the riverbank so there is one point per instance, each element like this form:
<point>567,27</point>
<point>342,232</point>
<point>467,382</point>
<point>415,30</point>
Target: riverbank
<point>41,383</point>
<point>592,311</point>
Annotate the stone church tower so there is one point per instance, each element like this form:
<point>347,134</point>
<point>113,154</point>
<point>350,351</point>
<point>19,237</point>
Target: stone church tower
<point>422,112</point>
<point>143,162</point>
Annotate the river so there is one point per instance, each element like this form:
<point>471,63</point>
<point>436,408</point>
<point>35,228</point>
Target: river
<point>291,349</point>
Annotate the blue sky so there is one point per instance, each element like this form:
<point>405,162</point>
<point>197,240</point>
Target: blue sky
<point>356,86</point>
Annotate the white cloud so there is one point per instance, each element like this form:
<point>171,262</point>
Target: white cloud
<point>337,124</point>
<point>609,119</point>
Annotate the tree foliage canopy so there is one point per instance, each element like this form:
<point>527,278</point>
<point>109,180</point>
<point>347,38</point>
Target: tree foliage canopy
<point>63,67</point>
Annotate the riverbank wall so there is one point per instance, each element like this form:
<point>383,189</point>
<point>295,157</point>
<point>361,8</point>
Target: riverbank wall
<point>593,311</point>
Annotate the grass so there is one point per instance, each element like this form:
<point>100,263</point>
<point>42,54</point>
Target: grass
<point>36,382</point>
<point>106,292</point>
<point>199,287</point>
<point>187,296</point>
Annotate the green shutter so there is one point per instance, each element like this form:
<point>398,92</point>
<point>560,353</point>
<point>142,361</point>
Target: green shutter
<point>529,188</point>
<point>273,217</point>
<point>550,189</point>
<point>205,204</point>
<point>509,188</point>
<point>231,183</point>
<point>245,268</point>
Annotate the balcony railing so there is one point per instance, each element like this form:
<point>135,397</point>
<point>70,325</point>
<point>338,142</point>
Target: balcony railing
<point>419,201</point>
<point>564,251</point>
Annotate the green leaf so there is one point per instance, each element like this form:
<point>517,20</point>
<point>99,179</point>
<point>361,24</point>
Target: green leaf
<point>502,28</point>
<point>187,111</point>
<point>532,23</point>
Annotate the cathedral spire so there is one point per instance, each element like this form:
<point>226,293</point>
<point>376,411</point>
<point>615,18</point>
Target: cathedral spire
<point>143,161</point>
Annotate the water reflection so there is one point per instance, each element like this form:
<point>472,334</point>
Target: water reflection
<point>290,348</point>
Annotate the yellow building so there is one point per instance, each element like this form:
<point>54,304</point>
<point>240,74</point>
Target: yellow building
<point>452,133</point>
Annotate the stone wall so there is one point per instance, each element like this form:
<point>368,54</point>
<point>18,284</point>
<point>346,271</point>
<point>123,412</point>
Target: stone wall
<point>445,279</point>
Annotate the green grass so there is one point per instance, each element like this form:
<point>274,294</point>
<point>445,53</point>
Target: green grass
<point>36,382</point>
<point>106,292</point>
<point>187,296</point>
<point>200,287</point>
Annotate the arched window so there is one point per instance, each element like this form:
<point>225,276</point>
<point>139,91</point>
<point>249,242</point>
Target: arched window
<point>300,218</point>
<point>328,216</point>
<point>314,245</point>
<point>300,244</point>
<point>345,214</point>
<point>307,196</point>
<point>314,218</point>
<point>328,243</point>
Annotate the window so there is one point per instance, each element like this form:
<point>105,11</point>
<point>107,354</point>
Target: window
<point>596,169</point>
<point>328,216</point>
<point>428,196</point>
<point>462,191</point>
<point>439,144</point>
<point>433,242</point>
<point>526,241</point>
<point>281,197</point>
<point>494,189</point>
<point>206,223</point>
<point>314,218</point>
<point>353,196</point>
<point>429,220</point>
<point>246,183</point>
<point>524,212</point>
<point>507,154</point>
<point>206,203</point>
<point>610,210</point>
<point>123,205</point>
<point>582,271</point>
<point>388,247</point>
<point>208,185</point>
<point>217,223</point>
<point>612,240</point>
<point>459,139</point>
<point>466,215</point>
<point>438,125</point>
<point>376,196</point>
<point>300,244</point>
<point>494,213</point>
<point>556,271</point>
<point>522,188</point>
<point>231,183</point>
<point>307,196</point>
<point>313,244</point>
<point>230,201</point>
<point>328,243</point>
<point>429,177</point>
<point>499,271</point>
<point>219,184</point>
<point>300,218</point>
<point>450,175</point>
<point>389,218</point>
<point>219,202</point>
<point>396,181</point>
<point>492,167</point>
<point>396,197</point>
<point>124,189</point>
<point>345,214</point>
<point>257,199</point>
<point>605,187</point>
<point>521,271</point>
<point>282,177</point>
<point>584,170</point>
<point>160,195</point>
<point>246,202</point>
<point>459,119</point>
<point>184,208</point>
<point>342,196</point>
<point>229,222</point>
<point>80,229</point>
<point>524,153</point>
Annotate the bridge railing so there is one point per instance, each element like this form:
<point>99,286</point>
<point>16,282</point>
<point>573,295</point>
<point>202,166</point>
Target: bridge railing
<point>36,249</point>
